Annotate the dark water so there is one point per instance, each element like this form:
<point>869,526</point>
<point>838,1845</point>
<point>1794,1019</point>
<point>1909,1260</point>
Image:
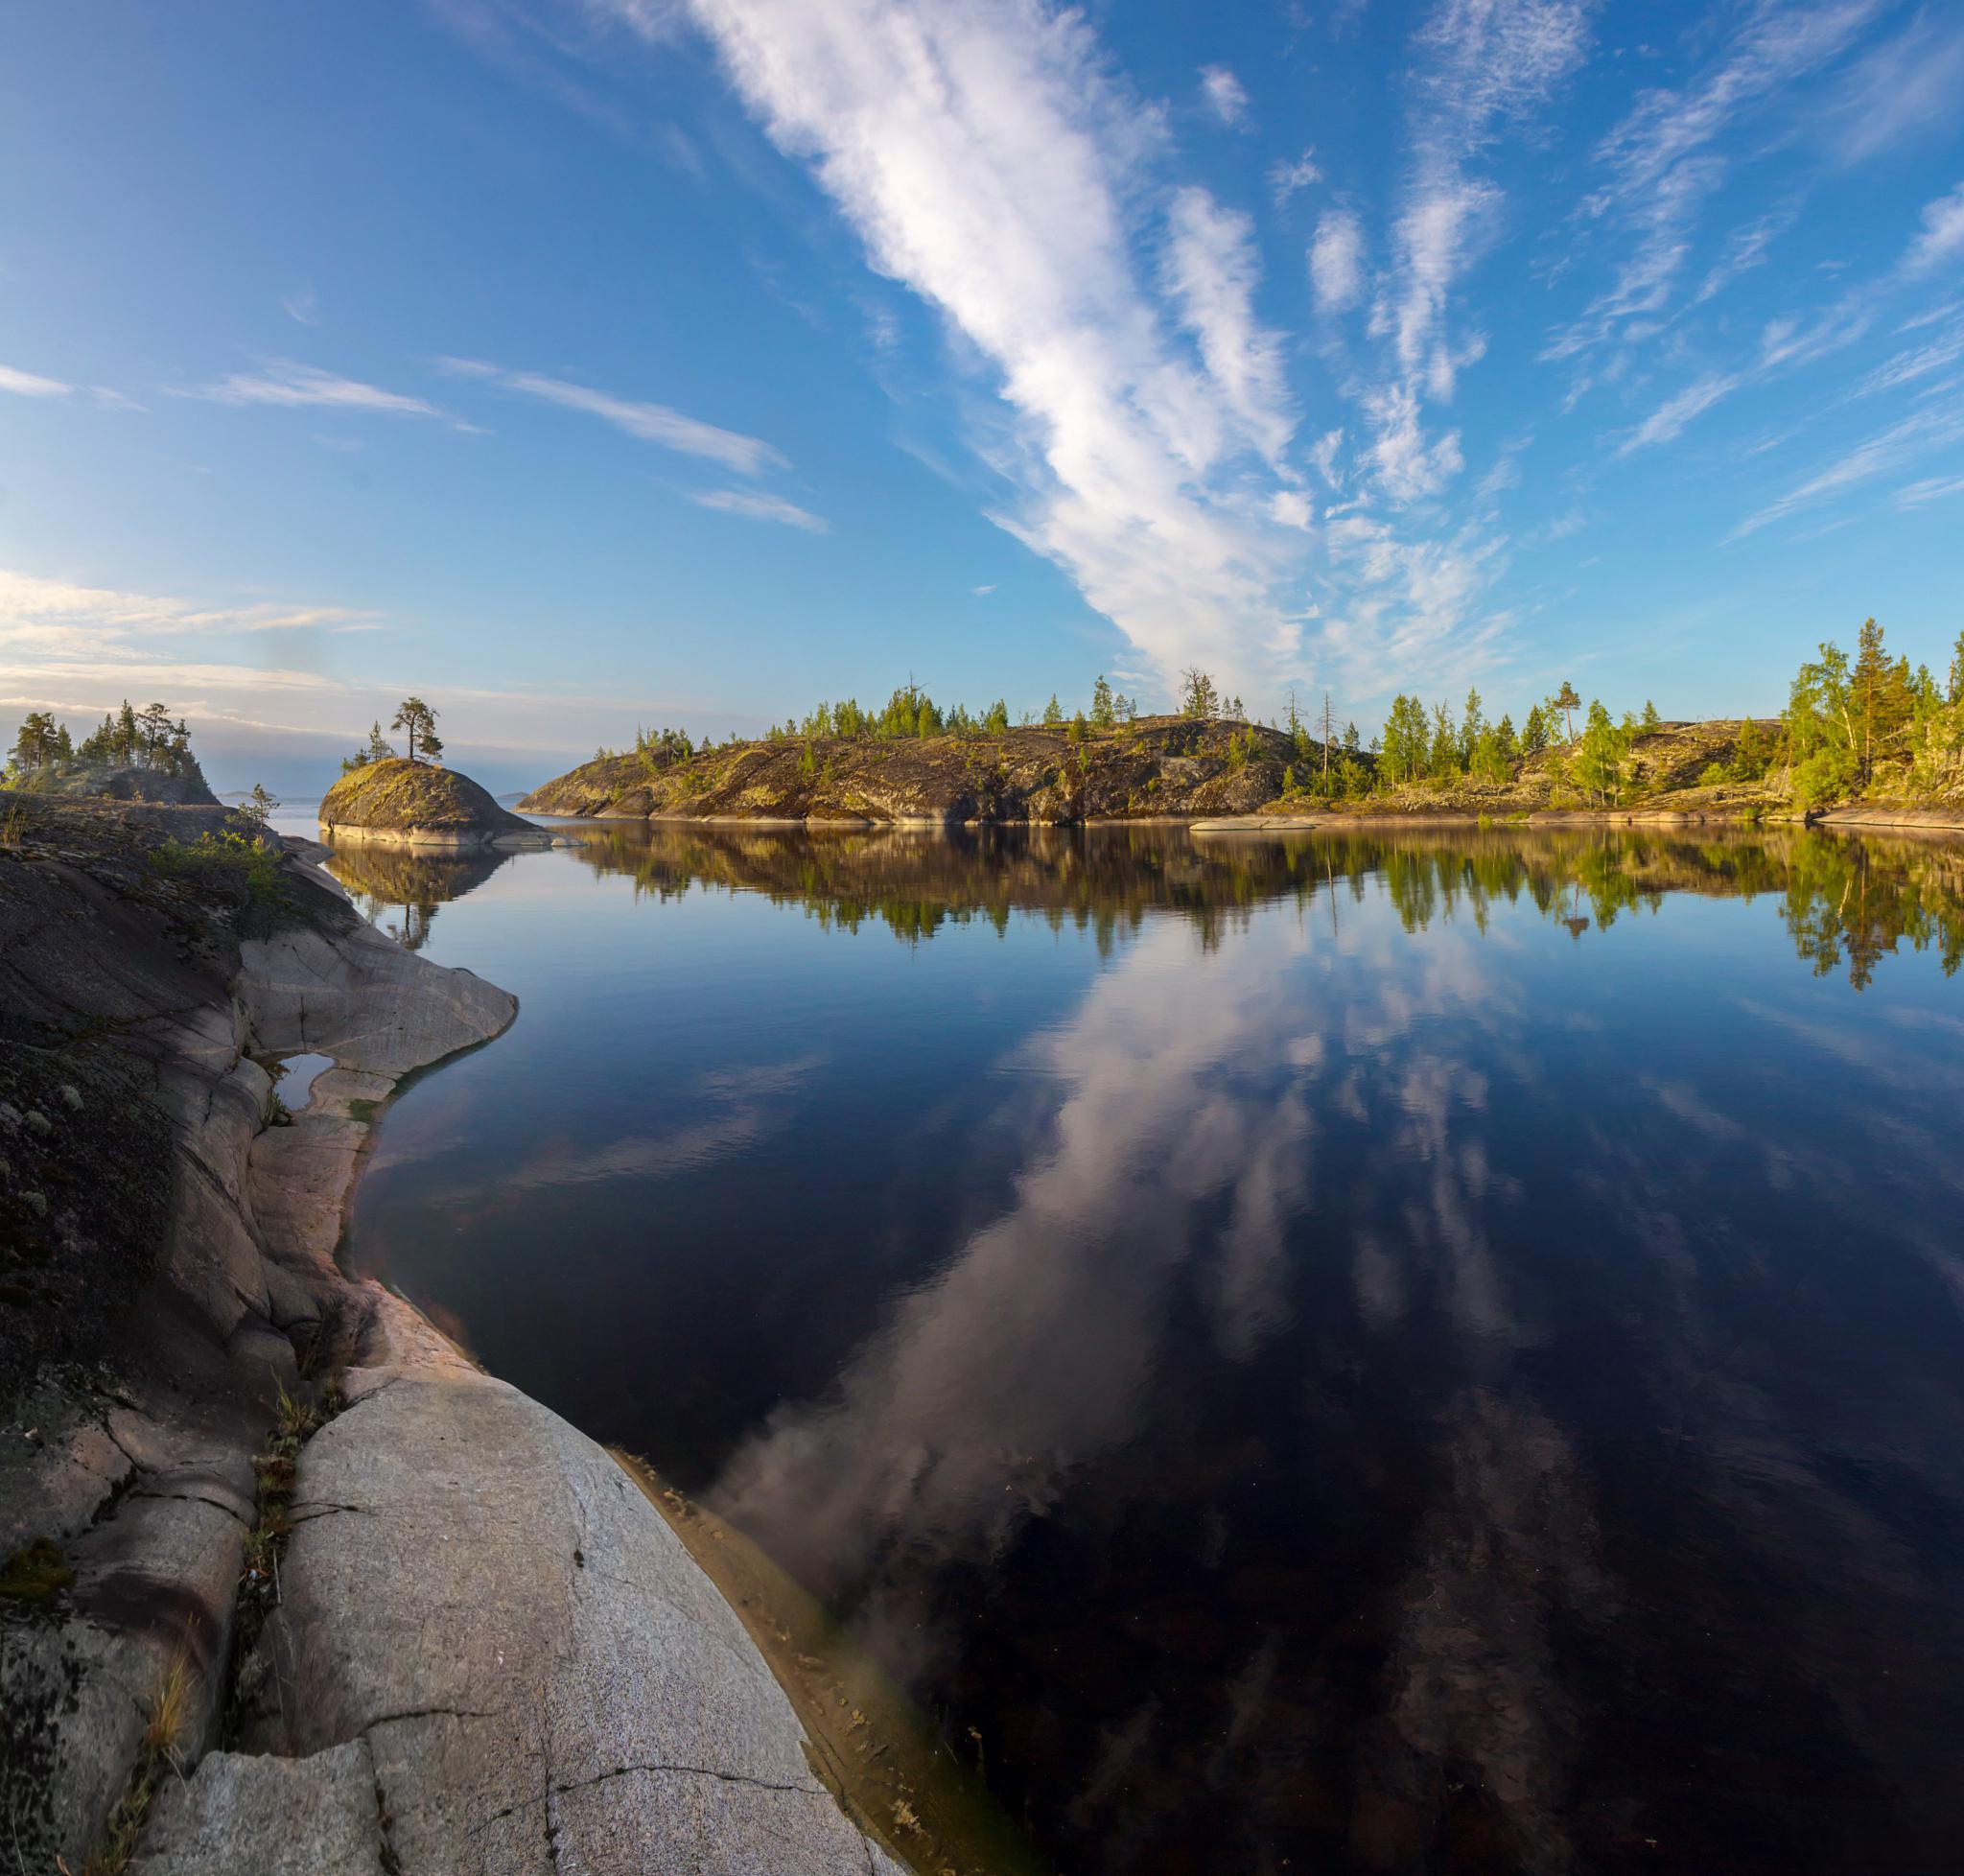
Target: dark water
<point>1429,1353</point>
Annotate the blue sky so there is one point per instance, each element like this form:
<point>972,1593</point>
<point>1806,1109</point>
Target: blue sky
<point>580,362</point>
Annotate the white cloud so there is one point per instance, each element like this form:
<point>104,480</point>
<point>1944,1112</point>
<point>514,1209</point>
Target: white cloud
<point>985,155</point>
<point>1934,489</point>
<point>1744,250</point>
<point>30,384</point>
<point>1211,271</point>
<point>1224,94</point>
<point>1943,234</point>
<point>37,611</point>
<point>1286,178</point>
<point>1661,168</point>
<point>760,506</point>
<point>1907,84</point>
<point>649,423</point>
<point>1913,362</point>
<point>983,592</point>
<point>283,384</point>
<point>1485,63</point>
<point>1335,262</point>
<point>1934,428</point>
<point>1666,423</point>
<point>1408,466</point>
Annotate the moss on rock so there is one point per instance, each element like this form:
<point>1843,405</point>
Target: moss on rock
<point>399,796</point>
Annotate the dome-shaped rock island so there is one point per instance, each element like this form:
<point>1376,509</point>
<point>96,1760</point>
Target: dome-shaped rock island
<point>419,804</point>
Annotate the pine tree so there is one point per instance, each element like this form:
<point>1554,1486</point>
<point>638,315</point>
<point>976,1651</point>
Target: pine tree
<point>1568,703</point>
<point>1471,727</point>
<point>1535,732</point>
<point>1443,755</point>
<point>1102,711</point>
<point>1198,697</point>
<point>417,722</point>
<point>33,747</point>
<point>1652,721</point>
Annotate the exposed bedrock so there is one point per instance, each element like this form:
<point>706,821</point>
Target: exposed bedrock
<point>481,1649</point>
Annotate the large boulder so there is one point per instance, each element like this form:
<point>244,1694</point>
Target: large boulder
<point>420,803</point>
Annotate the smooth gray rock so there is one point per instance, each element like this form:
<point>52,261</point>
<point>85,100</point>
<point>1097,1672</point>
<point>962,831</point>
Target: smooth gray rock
<point>545,1677</point>
<point>239,1815</point>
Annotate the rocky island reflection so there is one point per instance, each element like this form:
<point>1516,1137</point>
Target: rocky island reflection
<point>1411,1352</point>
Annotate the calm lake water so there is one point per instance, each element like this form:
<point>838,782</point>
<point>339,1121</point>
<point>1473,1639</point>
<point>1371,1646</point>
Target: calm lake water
<point>1439,1353</point>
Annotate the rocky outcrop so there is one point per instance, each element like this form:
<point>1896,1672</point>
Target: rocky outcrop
<point>1900,816</point>
<point>124,781</point>
<point>420,804</point>
<point>481,1649</point>
<point>487,1623</point>
<point>1158,768</point>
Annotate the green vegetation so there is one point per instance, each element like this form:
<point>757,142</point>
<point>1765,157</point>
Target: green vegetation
<point>235,868</point>
<point>35,1575</point>
<point>377,749</point>
<point>1847,902</point>
<point>418,722</point>
<point>257,806</point>
<point>45,752</point>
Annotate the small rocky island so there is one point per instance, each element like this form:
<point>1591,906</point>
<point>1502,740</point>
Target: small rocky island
<point>418,804</point>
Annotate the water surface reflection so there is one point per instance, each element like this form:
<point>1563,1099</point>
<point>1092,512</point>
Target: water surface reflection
<point>1417,1354</point>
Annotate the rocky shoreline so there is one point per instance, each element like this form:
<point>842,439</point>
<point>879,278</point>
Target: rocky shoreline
<point>319,1595</point>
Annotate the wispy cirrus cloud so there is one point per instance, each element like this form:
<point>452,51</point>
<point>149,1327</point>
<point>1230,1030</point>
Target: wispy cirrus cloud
<point>1666,423</point>
<point>1286,178</point>
<point>646,422</point>
<point>1745,248</point>
<point>1907,84</point>
<point>1211,271</point>
<point>35,610</point>
<point>1941,239</point>
<point>1662,163</point>
<point>760,506</point>
<point>989,160</point>
<point>1335,262</point>
<point>1410,587</point>
<point>284,385</point>
<point>30,383</point>
<point>1936,427</point>
<point>1486,64</point>
<point>1933,488</point>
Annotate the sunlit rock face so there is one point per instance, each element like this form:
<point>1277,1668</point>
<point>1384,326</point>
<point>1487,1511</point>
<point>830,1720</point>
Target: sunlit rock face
<point>417,802</point>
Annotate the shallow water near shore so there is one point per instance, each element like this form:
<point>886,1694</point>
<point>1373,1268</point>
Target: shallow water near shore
<point>1413,1351</point>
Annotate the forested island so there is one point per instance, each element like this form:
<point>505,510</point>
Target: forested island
<point>1866,736</point>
